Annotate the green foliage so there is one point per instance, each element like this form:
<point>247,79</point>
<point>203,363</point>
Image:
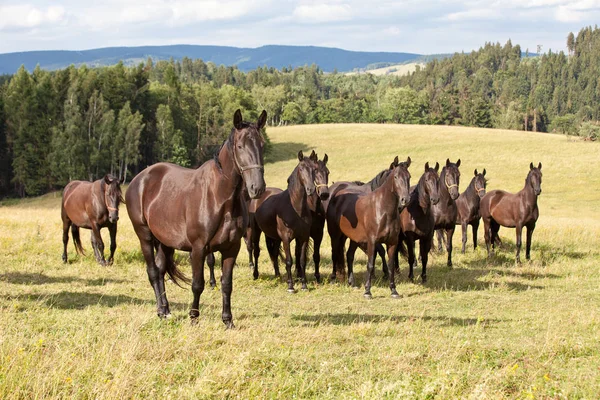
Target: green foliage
<point>564,124</point>
<point>589,131</point>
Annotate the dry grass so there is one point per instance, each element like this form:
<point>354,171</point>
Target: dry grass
<point>397,70</point>
<point>480,330</point>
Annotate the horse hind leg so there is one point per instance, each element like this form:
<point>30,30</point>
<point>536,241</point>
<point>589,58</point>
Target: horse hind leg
<point>98,244</point>
<point>350,262</point>
<point>273,249</point>
<point>66,226</point>
<point>449,236</point>
<point>210,260</point>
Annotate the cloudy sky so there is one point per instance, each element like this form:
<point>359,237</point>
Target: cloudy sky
<point>418,26</point>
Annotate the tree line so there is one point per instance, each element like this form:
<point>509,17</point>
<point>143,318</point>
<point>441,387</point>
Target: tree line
<point>81,122</point>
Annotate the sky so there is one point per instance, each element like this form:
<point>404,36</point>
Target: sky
<point>423,26</point>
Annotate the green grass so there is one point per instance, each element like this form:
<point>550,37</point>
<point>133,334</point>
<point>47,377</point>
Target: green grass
<point>481,330</point>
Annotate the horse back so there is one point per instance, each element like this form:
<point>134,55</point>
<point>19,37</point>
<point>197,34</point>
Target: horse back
<point>78,204</point>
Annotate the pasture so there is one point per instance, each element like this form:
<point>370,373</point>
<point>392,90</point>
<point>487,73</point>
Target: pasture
<point>484,329</point>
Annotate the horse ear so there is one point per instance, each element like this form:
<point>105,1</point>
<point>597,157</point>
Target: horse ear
<point>458,163</point>
<point>426,166</point>
<point>237,119</point>
<point>437,166</point>
<point>483,172</point>
<point>408,161</point>
<point>122,180</point>
<point>325,159</point>
<point>447,162</point>
<point>530,165</point>
<point>107,179</point>
<point>300,156</point>
<point>262,120</point>
<point>313,156</point>
<point>540,166</point>
<point>396,160</point>
<point>475,172</point>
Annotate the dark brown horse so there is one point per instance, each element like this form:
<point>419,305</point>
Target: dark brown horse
<point>518,210</point>
<point>468,207</point>
<point>417,221</point>
<point>367,187</point>
<point>91,205</point>
<point>285,215</point>
<point>198,210</point>
<point>445,211</point>
<point>368,219</point>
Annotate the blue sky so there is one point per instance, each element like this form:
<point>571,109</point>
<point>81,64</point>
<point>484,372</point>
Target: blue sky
<point>424,26</point>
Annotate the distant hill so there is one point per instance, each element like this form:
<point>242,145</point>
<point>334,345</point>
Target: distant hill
<point>328,59</point>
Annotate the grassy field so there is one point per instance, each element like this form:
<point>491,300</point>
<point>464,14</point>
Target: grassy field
<point>481,330</point>
<point>397,70</point>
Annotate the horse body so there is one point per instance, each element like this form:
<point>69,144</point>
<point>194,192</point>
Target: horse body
<point>285,215</point>
<point>445,212</point>
<point>500,208</point>
<point>200,211</point>
<point>368,219</point>
<point>91,205</point>
<point>468,204</point>
<point>417,220</point>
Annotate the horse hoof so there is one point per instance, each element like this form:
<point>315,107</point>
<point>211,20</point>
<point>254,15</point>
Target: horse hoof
<point>213,285</point>
<point>162,315</point>
<point>305,289</point>
<point>251,265</point>
<point>194,321</point>
<point>368,295</point>
<point>395,296</point>
<point>291,291</point>
<point>229,325</point>
<point>318,278</point>
<point>64,258</point>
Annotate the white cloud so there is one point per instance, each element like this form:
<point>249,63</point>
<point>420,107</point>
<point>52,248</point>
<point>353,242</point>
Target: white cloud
<point>475,14</point>
<point>28,16</point>
<point>321,12</point>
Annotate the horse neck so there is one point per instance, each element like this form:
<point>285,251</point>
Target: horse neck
<point>471,195</point>
<point>424,201</point>
<point>233,179</point>
<point>527,192</point>
<point>444,192</point>
<point>376,181</point>
<point>297,193</point>
<point>387,193</point>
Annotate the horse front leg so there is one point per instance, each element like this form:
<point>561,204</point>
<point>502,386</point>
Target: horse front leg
<point>228,262</point>
<point>350,262</point>
<point>198,257</point>
<point>391,251</point>
<point>530,229</point>
<point>440,237</point>
<point>449,236</point>
<point>288,265</point>
<point>112,229</point>
<point>370,269</point>
<point>519,232</point>
<point>464,228</point>
<point>66,227</point>
<point>487,234</point>
<point>410,249</point>
<point>302,264</point>
<point>317,236</point>
<point>210,261</point>
<point>424,250</point>
<point>98,244</point>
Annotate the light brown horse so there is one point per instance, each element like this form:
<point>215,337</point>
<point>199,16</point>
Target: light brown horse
<point>91,205</point>
<point>369,219</point>
<point>198,210</point>
<point>500,208</point>
<point>286,215</point>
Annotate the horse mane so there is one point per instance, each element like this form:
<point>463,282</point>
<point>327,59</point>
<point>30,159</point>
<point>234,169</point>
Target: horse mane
<point>379,179</point>
<point>229,142</point>
<point>358,183</point>
<point>419,193</point>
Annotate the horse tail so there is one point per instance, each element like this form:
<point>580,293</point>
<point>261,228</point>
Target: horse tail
<point>402,249</point>
<point>176,275</point>
<point>274,250</point>
<point>77,240</point>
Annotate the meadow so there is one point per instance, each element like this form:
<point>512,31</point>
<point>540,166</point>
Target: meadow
<point>484,329</point>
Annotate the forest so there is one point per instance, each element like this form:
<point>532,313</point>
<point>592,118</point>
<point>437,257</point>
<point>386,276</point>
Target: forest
<point>81,122</point>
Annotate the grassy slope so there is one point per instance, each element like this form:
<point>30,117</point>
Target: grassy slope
<point>398,69</point>
<point>481,330</point>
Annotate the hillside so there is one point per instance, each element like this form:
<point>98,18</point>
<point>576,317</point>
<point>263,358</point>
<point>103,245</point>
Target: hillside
<point>246,59</point>
<point>484,329</point>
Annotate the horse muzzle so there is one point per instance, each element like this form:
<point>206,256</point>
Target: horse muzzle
<point>538,192</point>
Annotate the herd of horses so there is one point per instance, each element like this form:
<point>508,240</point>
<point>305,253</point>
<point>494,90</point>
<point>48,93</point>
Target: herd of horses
<point>211,208</point>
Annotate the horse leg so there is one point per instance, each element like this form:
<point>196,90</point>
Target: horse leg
<point>424,250</point>
<point>350,261</point>
<point>487,234</point>
<point>147,245</point>
<point>391,250</point>
<point>530,229</point>
<point>249,246</point>
<point>494,227</point>
<point>302,265</point>
<point>98,244</point>
<point>210,261</point>
<point>440,237</point>
<point>475,225</point>
<point>449,236</point>
<point>112,229</point>
<point>164,262</point>
<point>519,231</point>
<point>228,262</point>
<point>255,240</point>
<point>384,266</point>
<point>370,269</point>
<point>464,228</point>
<point>410,248</point>
<point>273,249</point>
<point>288,266</point>
<point>317,236</point>
<point>198,258</point>
<point>66,226</point>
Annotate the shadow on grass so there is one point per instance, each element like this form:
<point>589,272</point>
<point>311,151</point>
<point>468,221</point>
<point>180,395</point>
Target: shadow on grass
<point>66,300</point>
<point>286,151</point>
<point>351,319</point>
<point>19,278</point>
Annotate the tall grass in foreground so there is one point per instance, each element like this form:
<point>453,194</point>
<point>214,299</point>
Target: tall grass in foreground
<point>485,329</point>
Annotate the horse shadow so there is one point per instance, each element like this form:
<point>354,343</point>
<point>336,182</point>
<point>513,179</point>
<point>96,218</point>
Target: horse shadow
<point>285,151</point>
<point>347,319</point>
<point>20,278</point>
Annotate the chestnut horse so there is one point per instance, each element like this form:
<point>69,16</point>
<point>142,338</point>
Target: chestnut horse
<point>368,219</point>
<point>445,211</point>
<point>468,207</point>
<point>417,221</point>
<point>285,215</point>
<point>500,208</point>
<point>198,210</point>
<point>91,205</point>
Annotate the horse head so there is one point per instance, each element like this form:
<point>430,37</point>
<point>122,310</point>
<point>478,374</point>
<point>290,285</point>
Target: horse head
<point>480,183</point>
<point>321,175</point>
<point>431,182</point>
<point>534,177</point>
<point>112,197</point>
<point>451,179</point>
<point>401,180</point>
<point>247,144</point>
